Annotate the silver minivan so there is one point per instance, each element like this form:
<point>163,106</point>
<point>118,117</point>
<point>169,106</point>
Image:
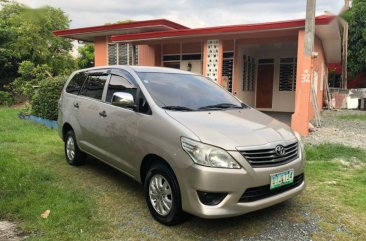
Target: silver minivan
<point>196,148</point>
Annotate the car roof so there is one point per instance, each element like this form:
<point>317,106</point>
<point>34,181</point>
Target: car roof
<point>158,70</point>
<point>142,69</point>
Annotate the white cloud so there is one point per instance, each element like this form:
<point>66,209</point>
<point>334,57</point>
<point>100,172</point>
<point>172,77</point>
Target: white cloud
<point>191,13</point>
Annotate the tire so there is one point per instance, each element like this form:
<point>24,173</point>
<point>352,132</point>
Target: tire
<point>74,156</point>
<point>162,195</point>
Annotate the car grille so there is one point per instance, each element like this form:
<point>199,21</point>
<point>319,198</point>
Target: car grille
<point>257,193</point>
<point>269,157</point>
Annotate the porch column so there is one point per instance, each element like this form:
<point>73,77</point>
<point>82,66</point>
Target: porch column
<point>300,118</point>
<point>101,50</point>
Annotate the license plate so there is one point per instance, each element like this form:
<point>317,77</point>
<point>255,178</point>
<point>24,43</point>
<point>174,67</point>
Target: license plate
<point>282,178</point>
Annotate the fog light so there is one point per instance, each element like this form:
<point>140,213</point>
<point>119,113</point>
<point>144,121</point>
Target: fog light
<point>211,198</point>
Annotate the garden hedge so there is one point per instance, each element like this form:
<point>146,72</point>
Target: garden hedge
<point>45,100</point>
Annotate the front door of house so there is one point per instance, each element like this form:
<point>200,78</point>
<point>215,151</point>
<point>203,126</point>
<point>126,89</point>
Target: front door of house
<point>264,93</point>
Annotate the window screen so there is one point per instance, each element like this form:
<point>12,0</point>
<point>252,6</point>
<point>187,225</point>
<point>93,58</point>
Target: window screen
<point>249,74</point>
<point>123,54</point>
<point>94,86</point>
<point>287,74</point>
<point>76,83</point>
<point>227,68</point>
<point>112,54</point>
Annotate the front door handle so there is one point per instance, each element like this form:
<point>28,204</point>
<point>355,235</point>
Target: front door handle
<point>76,105</point>
<point>103,114</point>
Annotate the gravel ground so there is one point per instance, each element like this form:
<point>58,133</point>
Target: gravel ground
<point>8,231</point>
<point>333,130</point>
<point>282,227</point>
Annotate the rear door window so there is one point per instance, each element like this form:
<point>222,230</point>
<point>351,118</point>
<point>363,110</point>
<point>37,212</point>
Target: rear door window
<point>94,86</point>
<point>76,83</point>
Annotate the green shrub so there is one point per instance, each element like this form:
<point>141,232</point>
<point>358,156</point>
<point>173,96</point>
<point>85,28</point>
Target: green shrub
<point>30,77</point>
<point>45,100</point>
<point>6,98</point>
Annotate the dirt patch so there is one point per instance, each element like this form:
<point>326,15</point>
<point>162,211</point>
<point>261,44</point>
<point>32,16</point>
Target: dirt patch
<point>8,231</point>
<point>338,131</point>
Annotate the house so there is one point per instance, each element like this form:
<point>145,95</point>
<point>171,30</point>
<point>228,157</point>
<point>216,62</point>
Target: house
<point>261,64</point>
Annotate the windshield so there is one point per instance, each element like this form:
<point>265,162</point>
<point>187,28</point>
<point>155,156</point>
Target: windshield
<point>184,92</point>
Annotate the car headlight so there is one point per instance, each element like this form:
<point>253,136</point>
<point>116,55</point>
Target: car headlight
<point>207,155</point>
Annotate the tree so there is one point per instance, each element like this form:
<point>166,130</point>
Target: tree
<point>26,35</point>
<point>356,18</point>
<point>86,56</point>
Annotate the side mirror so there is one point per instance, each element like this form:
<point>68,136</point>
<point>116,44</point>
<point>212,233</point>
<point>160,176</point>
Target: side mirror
<point>123,99</point>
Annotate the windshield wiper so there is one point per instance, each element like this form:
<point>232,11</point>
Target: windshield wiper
<point>176,107</point>
<point>220,106</point>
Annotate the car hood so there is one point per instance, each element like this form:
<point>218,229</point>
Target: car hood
<point>233,128</point>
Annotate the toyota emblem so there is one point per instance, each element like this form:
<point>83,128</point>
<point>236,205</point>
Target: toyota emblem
<point>280,150</point>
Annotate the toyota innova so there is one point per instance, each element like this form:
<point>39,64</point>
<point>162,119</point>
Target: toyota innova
<point>195,147</point>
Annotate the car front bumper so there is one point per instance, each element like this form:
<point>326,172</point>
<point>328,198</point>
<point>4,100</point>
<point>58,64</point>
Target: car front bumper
<point>234,182</point>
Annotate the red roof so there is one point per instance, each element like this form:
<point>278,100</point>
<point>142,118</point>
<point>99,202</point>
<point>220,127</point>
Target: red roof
<point>299,23</point>
<point>135,24</point>
<point>89,33</point>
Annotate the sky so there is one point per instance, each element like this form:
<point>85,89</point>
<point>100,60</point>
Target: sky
<point>191,13</point>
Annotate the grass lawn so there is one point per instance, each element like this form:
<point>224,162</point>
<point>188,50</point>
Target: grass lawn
<point>95,202</point>
<point>353,117</point>
<point>336,184</point>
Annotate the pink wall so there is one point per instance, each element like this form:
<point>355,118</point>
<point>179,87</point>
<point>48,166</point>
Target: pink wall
<point>150,55</point>
<point>171,48</point>
<point>318,63</point>
<point>101,51</point>
<point>194,47</point>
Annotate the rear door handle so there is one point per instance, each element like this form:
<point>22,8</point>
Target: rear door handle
<point>103,114</point>
<point>76,105</point>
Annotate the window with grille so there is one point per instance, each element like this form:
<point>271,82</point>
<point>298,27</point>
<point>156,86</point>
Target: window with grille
<point>123,54</point>
<point>249,74</point>
<point>287,74</point>
<point>112,54</point>
<point>227,68</point>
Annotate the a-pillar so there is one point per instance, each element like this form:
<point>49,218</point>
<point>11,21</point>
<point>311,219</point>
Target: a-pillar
<point>300,118</point>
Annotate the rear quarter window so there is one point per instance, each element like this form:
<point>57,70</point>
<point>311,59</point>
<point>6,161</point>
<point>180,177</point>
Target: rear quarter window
<point>76,83</point>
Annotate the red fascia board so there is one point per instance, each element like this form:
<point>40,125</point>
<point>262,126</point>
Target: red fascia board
<point>136,24</point>
<point>321,20</point>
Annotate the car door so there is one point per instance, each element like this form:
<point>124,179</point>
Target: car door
<point>89,104</point>
<point>120,126</point>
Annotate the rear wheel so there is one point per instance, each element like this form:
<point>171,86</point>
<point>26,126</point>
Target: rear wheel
<point>163,195</point>
<point>74,156</point>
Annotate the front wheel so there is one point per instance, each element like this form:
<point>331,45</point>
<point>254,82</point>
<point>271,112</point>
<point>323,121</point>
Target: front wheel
<point>74,156</point>
<point>163,195</point>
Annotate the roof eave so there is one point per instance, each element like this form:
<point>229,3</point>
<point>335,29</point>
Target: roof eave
<point>272,26</point>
